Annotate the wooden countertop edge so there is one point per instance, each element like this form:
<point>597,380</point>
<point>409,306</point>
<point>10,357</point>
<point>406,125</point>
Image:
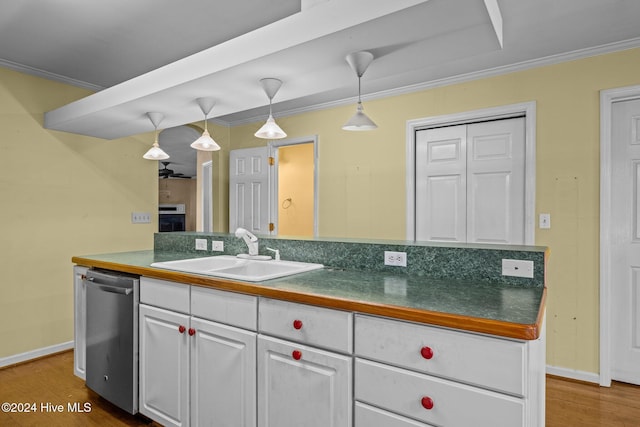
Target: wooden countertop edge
<point>456,321</point>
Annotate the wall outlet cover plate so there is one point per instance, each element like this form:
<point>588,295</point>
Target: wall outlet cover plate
<point>517,268</point>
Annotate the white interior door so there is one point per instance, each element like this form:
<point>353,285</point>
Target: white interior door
<point>625,242</point>
<point>470,183</point>
<point>441,184</point>
<point>249,190</point>
<point>495,182</point>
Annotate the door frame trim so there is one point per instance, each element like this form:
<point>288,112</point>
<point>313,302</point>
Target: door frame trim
<point>203,187</point>
<point>528,109</point>
<point>273,178</point>
<point>607,99</point>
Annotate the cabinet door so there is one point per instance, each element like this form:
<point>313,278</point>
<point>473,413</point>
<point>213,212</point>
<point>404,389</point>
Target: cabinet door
<point>164,366</point>
<point>79,321</point>
<point>223,375</point>
<point>302,386</point>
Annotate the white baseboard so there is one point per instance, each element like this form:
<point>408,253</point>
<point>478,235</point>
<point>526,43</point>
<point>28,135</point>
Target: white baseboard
<point>33,354</point>
<point>573,374</point>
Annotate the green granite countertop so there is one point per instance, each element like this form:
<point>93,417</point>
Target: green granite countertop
<point>499,309</point>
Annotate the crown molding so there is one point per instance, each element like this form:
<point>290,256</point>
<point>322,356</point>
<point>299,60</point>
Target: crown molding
<point>461,78</point>
<point>47,75</point>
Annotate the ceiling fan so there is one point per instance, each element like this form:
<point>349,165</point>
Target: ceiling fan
<point>165,172</point>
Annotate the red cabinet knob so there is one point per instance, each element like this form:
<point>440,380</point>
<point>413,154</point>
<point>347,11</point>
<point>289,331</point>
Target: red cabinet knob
<point>296,354</point>
<point>192,331</point>
<point>426,352</point>
<point>297,324</point>
<point>181,329</point>
<point>427,402</point>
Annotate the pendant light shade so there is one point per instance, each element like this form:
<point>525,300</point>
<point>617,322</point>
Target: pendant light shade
<point>359,62</point>
<point>155,152</point>
<point>205,142</point>
<point>270,130</point>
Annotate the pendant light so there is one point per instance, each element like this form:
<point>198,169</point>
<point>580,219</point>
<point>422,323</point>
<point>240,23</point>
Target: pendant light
<point>270,130</point>
<point>359,62</point>
<point>205,142</point>
<point>155,152</point>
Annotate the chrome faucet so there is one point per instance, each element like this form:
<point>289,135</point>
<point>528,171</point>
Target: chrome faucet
<point>250,239</point>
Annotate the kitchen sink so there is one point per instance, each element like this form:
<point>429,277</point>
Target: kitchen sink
<point>231,267</point>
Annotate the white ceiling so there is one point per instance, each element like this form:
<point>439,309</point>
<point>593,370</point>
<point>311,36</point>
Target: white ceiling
<point>160,55</point>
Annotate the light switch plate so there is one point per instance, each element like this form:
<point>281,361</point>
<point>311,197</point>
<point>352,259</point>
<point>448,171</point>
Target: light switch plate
<point>217,245</point>
<point>517,268</point>
<point>545,220</point>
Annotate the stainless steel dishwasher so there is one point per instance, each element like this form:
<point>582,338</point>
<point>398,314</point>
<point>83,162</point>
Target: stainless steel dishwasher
<point>112,337</point>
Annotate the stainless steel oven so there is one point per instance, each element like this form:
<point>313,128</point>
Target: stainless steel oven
<point>112,337</point>
<point>171,217</point>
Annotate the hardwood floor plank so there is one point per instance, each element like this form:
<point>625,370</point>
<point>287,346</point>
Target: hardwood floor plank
<point>570,403</point>
<point>51,380</point>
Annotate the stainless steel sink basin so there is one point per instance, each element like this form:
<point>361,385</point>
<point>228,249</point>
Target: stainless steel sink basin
<point>232,267</point>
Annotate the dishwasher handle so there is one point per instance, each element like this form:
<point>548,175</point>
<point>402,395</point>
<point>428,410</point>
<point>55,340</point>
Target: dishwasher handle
<point>109,288</point>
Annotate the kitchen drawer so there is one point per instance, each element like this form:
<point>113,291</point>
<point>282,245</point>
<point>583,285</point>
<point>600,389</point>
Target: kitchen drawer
<point>368,416</point>
<point>165,294</point>
<point>225,307</point>
<point>322,327</point>
<point>497,364</point>
<point>453,404</point>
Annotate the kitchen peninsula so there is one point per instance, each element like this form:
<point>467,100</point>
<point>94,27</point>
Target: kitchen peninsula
<point>369,344</point>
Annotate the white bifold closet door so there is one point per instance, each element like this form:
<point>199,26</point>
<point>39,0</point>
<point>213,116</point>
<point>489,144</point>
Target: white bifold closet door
<point>470,182</point>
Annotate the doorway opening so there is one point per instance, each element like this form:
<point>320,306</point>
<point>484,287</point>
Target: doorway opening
<point>259,194</point>
<point>294,196</point>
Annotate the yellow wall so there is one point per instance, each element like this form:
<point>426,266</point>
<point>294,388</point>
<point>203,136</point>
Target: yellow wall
<point>362,175</point>
<point>295,190</point>
<point>61,195</point>
<point>66,194</point>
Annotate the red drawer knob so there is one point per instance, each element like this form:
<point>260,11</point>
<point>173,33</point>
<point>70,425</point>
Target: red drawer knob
<point>296,354</point>
<point>192,331</point>
<point>181,329</point>
<point>427,402</point>
<point>426,352</point>
<point>297,324</point>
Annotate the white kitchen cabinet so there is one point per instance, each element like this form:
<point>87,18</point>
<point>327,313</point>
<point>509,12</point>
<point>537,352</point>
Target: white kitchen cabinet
<point>223,375</point>
<point>434,400</point>
<point>366,415</point>
<point>300,384</point>
<point>79,321</point>
<point>194,371</point>
<point>307,324</point>
<point>164,365</point>
<point>446,377</point>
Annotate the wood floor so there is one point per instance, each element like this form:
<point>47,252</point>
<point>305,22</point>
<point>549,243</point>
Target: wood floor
<point>51,381</point>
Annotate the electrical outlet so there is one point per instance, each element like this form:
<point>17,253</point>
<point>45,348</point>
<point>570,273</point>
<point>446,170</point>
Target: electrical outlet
<point>201,244</point>
<point>217,245</point>
<point>517,268</point>
<point>398,259</point>
<point>140,218</point>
